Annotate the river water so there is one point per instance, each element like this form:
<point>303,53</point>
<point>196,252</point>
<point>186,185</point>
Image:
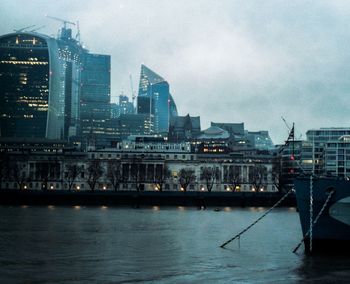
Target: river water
<point>157,244</point>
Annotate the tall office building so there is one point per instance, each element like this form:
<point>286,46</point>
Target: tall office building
<point>95,93</point>
<point>38,78</point>
<point>24,81</point>
<point>155,100</point>
<point>42,82</point>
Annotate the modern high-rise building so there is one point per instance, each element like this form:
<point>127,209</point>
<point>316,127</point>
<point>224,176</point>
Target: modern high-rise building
<point>24,81</point>
<point>95,93</point>
<point>38,78</point>
<point>155,100</point>
<point>45,82</point>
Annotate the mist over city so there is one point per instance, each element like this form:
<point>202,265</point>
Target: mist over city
<point>236,61</point>
<point>174,141</point>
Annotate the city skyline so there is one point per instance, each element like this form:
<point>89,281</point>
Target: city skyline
<point>252,62</point>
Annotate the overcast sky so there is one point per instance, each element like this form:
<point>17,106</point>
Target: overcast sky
<point>226,61</point>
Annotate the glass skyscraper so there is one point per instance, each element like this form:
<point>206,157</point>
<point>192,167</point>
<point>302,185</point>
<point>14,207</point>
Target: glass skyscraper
<point>39,78</point>
<point>155,100</point>
<point>95,92</point>
<point>24,81</point>
<point>47,83</point>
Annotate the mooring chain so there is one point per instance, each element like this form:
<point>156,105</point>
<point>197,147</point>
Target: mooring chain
<point>257,220</point>
<point>311,211</point>
<point>316,219</point>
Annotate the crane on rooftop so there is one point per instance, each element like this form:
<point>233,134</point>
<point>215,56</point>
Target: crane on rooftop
<point>65,22</point>
<point>22,29</point>
<point>133,96</point>
<point>38,28</point>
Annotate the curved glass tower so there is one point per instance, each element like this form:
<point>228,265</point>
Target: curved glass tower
<point>40,81</point>
<point>155,99</point>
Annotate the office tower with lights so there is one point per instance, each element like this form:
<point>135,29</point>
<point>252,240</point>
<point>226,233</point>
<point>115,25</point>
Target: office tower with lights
<point>39,78</point>
<point>95,105</point>
<point>155,100</point>
<point>49,85</point>
<point>24,81</point>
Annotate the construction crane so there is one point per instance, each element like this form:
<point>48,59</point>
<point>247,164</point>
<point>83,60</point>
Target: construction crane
<point>133,96</point>
<point>36,29</point>
<point>77,37</point>
<point>22,29</point>
<point>65,22</point>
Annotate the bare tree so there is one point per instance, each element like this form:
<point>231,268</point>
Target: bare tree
<point>234,177</point>
<point>186,177</point>
<point>258,176</point>
<point>161,175</point>
<point>4,167</point>
<point>94,172</point>
<point>17,174</point>
<point>72,172</point>
<point>210,176</point>
<point>114,173</point>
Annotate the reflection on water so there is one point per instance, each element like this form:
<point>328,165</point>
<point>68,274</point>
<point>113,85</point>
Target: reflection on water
<point>156,208</point>
<point>168,245</point>
<point>316,268</point>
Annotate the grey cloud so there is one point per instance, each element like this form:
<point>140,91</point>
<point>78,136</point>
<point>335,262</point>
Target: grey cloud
<point>232,61</point>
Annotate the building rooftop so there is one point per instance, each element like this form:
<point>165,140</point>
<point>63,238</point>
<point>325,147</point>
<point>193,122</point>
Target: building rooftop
<point>214,132</point>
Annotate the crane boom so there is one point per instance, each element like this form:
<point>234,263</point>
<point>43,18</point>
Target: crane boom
<point>65,22</point>
<point>133,96</point>
<point>34,30</point>
<point>22,29</point>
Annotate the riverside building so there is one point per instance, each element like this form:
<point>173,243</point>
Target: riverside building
<point>337,157</point>
<point>141,163</point>
<point>320,140</point>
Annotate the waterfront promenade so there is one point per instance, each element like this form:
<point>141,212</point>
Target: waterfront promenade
<point>136,199</point>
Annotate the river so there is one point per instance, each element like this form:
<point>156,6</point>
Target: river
<point>157,244</point>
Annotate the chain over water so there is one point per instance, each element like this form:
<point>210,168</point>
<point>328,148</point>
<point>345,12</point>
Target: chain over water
<point>257,220</point>
<point>315,221</point>
<point>311,211</point>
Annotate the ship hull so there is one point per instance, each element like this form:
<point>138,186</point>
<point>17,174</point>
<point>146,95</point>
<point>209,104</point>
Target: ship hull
<point>332,230</point>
